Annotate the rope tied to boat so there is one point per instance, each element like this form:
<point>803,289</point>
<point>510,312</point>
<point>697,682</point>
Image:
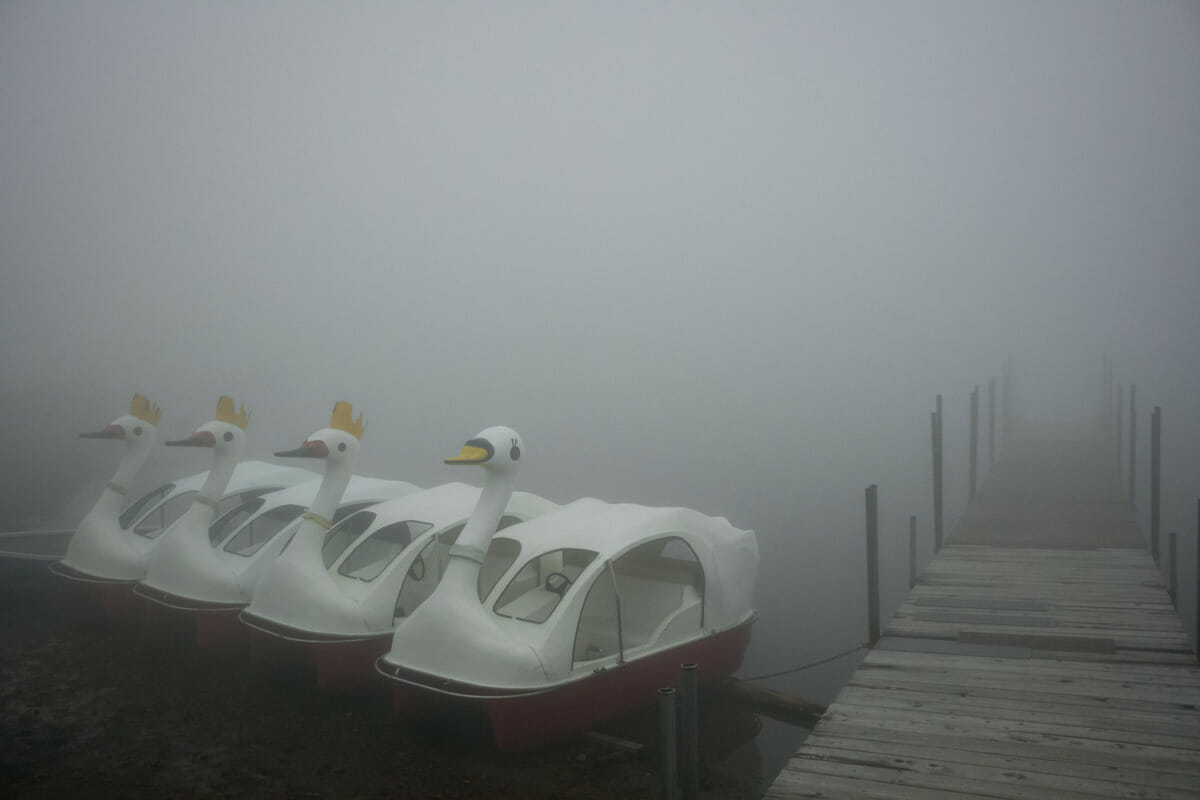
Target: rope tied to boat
<point>810,665</point>
<point>206,501</point>
<point>118,488</point>
<point>324,522</point>
<point>469,552</point>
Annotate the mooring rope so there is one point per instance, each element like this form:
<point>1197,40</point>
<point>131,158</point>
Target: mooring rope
<point>818,663</point>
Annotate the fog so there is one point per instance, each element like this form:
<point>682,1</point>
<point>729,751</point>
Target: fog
<point>721,256</point>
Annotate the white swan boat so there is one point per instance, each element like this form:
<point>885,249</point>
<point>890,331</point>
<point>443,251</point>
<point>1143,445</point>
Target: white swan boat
<point>210,575</point>
<point>110,550</point>
<point>333,601</point>
<point>602,605</point>
<point>136,429</point>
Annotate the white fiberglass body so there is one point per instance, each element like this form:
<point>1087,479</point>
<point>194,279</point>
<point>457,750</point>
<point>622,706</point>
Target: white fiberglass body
<point>222,565</point>
<point>377,566</point>
<point>105,549</point>
<point>595,585</point>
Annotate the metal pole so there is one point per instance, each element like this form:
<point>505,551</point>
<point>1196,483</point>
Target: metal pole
<point>872,564</point>
<point>1172,570</point>
<point>974,442</point>
<point>937,476</point>
<point>667,743</point>
<point>1155,478</point>
<point>1197,583</point>
<point>912,550</point>
<point>1132,441</point>
<point>689,758</point>
<point>991,423</point>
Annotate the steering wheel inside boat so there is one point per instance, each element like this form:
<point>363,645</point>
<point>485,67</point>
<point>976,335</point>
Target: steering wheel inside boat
<point>557,582</point>
<point>417,569</point>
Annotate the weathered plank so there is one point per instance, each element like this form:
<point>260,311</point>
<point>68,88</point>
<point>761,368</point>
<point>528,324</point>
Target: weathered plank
<point>1038,656</point>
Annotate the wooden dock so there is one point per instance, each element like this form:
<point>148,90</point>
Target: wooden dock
<point>1039,656</point>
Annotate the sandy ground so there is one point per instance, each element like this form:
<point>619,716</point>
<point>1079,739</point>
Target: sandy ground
<point>87,710</point>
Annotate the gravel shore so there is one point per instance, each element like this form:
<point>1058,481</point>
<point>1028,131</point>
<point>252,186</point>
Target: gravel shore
<point>89,710</point>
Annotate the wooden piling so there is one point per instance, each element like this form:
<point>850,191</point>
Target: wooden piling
<point>991,423</point>
<point>1172,569</point>
<point>1132,443</point>
<point>974,438</point>
<point>912,550</point>
<point>1155,478</point>
<point>937,475</point>
<point>1196,616</point>
<point>1120,432</point>
<point>872,564</point>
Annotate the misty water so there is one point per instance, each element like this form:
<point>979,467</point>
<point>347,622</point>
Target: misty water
<point>720,256</point>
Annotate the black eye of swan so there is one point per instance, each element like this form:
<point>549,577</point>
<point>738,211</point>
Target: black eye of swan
<point>137,431</point>
<point>228,436</point>
<point>341,447</point>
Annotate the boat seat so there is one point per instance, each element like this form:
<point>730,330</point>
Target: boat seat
<point>648,606</point>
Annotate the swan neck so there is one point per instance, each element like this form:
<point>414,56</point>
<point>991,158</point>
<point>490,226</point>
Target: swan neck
<point>467,553</point>
<point>310,536</point>
<point>218,477</point>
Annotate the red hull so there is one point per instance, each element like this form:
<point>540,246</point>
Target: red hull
<point>90,595</point>
<point>208,625</point>
<point>523,720</point>
<point>337,664</point>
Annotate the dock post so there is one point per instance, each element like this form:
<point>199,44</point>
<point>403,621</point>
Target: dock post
<point>667,742</point>
<point>1197,584</point>
<point>1155,479</point>
<point>912,550</point>
<point>1172,569</point>
<point>991,423</point>
<point>689,759</point>
<point>872,564</point>
<point>1120,432</point>
<point>974,442</point>
<point>1132,442</point>
<point>937,476</point>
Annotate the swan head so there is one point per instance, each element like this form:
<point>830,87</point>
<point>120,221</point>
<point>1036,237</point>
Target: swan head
<point>337,444</point>
<point>226,433</point>
<point>137,427</point>
<point>497,448</point>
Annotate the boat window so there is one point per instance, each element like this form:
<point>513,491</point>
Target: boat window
<point>501,554</point>
<point>599,631</point>
<point>379,549</point>
<point>661,587</point>
<point>425,571</point>
<point>535,591</point>
<point>348,509</point>
<point>344,534</point>
<point>261,529</point>
<point>135,509</point>
<point>158,520</point>
<point>228,522</point>
<point>232,501</point>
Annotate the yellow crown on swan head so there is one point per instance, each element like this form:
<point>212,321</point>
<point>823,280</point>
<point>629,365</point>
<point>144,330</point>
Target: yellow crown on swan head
<point>343,419</point>
<point>143,409</point>
<point>225,413</point>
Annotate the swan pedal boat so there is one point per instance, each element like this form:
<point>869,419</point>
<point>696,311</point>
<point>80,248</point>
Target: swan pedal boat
<point>114,558</point>
<point>599,610</point>
<point>335,612</point>
<point>204,581</point>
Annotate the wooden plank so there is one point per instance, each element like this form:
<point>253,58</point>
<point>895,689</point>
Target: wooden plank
<point>1022,776</point>
<point>1026,662</point>
<point>1130,774</point>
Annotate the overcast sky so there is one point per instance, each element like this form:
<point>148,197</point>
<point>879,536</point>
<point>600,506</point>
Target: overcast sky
<point>713,254</point>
